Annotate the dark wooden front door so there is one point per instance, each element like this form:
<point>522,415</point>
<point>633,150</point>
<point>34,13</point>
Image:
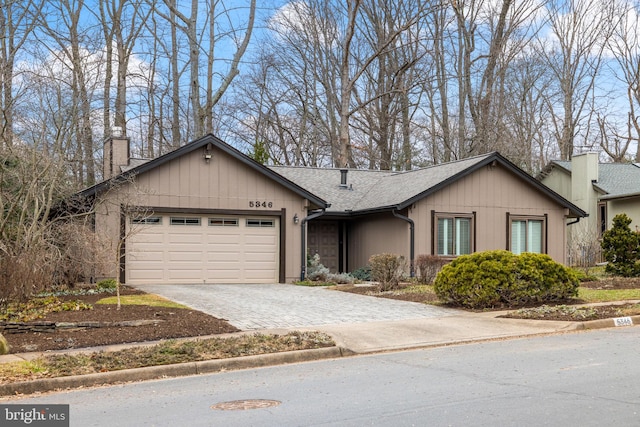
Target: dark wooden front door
<point>323,239</point>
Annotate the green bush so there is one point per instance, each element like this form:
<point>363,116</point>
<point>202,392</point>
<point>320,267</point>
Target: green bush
<point>620,248</point>
<point>387,270</point>
<point>362,273</point>
<point>106,284</point>
<point>500,278</point>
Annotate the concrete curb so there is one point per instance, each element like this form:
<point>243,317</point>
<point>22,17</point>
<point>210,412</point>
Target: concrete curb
<point>606,323</point>
<point>175,370</point>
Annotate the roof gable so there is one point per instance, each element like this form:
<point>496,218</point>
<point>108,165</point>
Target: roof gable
<point>201,143</point>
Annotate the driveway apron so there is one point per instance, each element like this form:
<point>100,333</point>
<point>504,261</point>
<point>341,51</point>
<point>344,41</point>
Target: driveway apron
<point>273,306</point>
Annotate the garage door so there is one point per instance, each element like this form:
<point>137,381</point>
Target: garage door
<point>198,249</point>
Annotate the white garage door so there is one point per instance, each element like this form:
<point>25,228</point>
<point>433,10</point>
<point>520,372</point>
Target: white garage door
<point>197,249</point>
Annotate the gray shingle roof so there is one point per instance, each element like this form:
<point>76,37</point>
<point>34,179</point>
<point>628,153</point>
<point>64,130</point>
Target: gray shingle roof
<point>369,190</point>
<point>614,179</point>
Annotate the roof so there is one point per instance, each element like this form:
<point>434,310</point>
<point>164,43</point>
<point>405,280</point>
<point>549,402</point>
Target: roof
<point>142,167</point>
<point>369,191</point>
<point>615,180</point>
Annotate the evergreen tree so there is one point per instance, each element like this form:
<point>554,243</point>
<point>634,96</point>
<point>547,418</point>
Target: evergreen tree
<point>620,248</point>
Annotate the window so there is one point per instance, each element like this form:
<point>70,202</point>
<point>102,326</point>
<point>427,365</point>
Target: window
<point>182,220</point>
<point>454,234</point>
<point>223,222</point>
<point>260,223</point>
<point>527,234</point>
<point>147,220</point>
<point>602,218</point>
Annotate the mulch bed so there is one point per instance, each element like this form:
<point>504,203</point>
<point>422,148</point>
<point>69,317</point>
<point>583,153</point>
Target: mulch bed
<point>173,323</point>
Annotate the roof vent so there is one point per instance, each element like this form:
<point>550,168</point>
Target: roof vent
<point>343,178</point>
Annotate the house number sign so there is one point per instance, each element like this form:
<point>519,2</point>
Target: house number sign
<point>260,204</point>
<point>623,321</point>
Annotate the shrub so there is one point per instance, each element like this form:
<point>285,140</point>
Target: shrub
<point>315,270</point>
<point>4,345</point>
<point>387,269</point>
<point>620,248</point>
<point>428,267</point>
<point>106,284</point>
<point>494,278</point>
<point>362,273</point>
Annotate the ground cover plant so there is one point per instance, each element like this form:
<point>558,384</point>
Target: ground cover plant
<point>164,353</point>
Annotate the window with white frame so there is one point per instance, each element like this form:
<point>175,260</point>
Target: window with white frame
<point>527,234</point>
<point>453,234</point>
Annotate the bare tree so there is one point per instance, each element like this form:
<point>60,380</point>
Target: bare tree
<point>624,43</point>
<point>17,22</point>
<point>580,30</point>
<point>74,58</point>
<point>200,39</point>
<point>122,22</point>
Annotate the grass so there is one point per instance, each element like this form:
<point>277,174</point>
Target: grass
<point>608,295</point>
<point>165,353</point>
<point>144,299</point>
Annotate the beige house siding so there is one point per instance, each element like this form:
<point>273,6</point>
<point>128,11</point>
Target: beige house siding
<point>491,193</point>
<point>222,185</point>
<point>376,234</point>
<point>559,181</point>
<point>630,207</point>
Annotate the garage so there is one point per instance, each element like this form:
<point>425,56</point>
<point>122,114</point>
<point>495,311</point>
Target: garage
<point>179,248</point>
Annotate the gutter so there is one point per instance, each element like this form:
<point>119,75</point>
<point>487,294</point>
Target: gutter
<point>574,222</point>
<point>412,241</point>
<point>303,223</point>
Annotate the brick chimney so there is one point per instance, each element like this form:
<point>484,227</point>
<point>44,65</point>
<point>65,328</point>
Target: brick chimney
<point>116,153</point>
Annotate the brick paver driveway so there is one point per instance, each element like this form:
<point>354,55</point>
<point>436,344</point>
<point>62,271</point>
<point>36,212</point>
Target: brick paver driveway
<point>275,306</point>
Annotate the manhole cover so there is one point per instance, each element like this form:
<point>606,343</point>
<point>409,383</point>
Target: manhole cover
<point>241,405</point>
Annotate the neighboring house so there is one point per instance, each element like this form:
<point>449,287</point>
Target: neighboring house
<point>603,190</point>
<point>206,213</point>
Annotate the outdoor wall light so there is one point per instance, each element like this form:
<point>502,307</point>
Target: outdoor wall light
<point>208,153</point>
<point>296,219</point>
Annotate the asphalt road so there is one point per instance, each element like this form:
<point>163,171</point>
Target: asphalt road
<point>585,379</point>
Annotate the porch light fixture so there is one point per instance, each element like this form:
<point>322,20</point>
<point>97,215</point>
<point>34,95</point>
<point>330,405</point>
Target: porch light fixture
<point>207,153</point>
<point>296,219</point>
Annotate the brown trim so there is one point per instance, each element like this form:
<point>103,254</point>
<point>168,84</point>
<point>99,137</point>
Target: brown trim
<point>473,249</point>
<point>455,215</point>
<point>123,245</point>
<point>545,232</point>
<point>283,252</point>
<point>199,211</point>
<point>433,232</point>
<point>508,235</point>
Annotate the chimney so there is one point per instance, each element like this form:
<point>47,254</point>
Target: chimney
<point>343,178</point>
<point>584,173</point>
<point>115,154</point>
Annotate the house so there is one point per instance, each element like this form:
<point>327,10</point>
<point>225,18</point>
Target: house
<point>603,190</point>
<point>206,213</point>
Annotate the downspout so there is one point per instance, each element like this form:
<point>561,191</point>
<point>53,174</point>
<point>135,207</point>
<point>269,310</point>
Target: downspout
<point>412,240</point>
<point>574,222</point>
<point>303,223</point>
